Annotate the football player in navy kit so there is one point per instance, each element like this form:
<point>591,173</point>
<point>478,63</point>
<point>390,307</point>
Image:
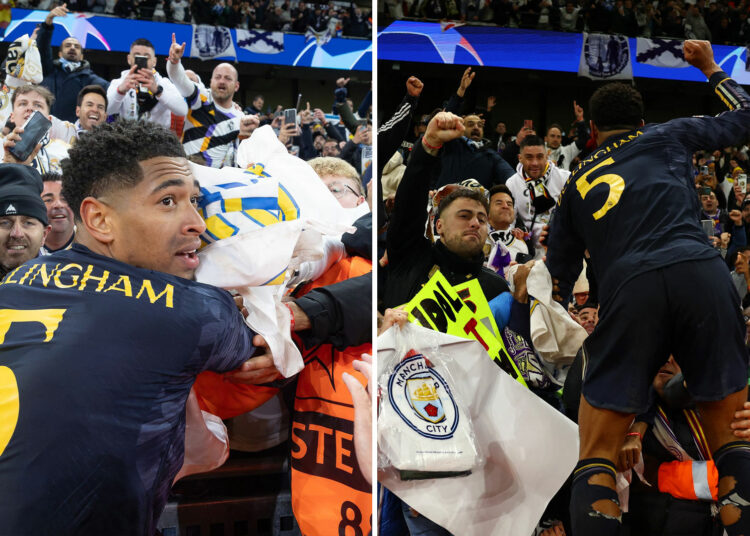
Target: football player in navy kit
<point>100,344</point>
<point>662,287</point>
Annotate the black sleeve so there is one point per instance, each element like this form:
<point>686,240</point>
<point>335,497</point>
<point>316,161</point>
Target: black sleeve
<point>454,104</point>
<point>565,248</point>
<point>44,44</point>
<point>359,242</point>
<point>406,228</point>
<point>306,148</point>
<point>502,170</point>
<point>333,132</point>
<point>726,129</point>
<point>510,153</point>
<point>341,314</point>
<point>582,134</point>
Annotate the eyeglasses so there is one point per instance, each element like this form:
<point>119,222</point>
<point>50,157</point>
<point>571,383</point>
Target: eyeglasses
<point>339,192</point>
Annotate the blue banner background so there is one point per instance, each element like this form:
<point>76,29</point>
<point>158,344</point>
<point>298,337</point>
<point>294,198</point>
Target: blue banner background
<point>111,33</point>
<point>524,49</point>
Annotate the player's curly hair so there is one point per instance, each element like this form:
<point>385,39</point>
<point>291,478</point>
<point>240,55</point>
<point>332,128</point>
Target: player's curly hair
<point>616,106</point>
<point>107,157</point>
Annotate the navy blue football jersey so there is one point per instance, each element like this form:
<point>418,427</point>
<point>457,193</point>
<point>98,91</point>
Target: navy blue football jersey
<point>97,359</point>
<point>633,204</point>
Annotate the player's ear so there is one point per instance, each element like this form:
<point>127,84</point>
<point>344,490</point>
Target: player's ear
<point>95,217</point>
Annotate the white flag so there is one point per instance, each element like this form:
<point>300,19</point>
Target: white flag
<point>605,57</point>
<point>261,42</point>
<point>211,42</point>
<point>660,52</point>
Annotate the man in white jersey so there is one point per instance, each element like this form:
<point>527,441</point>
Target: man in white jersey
<point>213,126</point>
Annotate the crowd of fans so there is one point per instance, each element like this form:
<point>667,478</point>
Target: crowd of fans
<point>481,180</point>
<point>157,113</point>
<point>722,22</point>
<point>337,18</point>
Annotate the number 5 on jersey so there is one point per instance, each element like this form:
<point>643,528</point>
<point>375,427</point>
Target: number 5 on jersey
<point>615,182</point>
<point>9,400</point>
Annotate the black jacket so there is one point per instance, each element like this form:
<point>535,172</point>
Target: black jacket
<point>64,85</point>
<point>411,256</point>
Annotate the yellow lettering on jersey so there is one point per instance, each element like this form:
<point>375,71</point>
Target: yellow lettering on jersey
<point>87,275</point>
<point>74,277</point>
<point>28,273</point>
<point>168,293</point>
<point>126,287</point>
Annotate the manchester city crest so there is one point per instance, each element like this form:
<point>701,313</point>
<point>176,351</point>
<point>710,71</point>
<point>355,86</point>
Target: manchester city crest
<point>423,399</point>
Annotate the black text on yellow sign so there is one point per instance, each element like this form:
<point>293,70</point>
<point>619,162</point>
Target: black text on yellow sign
<point>438,306</point>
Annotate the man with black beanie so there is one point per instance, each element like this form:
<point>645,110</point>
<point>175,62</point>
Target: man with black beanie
<point>23,216</point>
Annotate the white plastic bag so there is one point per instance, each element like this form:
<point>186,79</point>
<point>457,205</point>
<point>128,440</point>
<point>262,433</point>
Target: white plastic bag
<point>529,448</point>
<point>424,428</point>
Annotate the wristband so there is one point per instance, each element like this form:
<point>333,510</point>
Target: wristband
<point>640,436</point>
<point>430,146</point>
<point>291,313</point>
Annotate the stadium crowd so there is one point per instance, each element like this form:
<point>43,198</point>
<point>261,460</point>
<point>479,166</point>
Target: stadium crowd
<point>110,181</point>
<point>338,18</point>
<point>490,196</point>
<point>722,22</point>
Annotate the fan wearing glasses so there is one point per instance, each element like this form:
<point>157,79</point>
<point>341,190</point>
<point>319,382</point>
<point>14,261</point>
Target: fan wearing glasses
<point>341,179</point>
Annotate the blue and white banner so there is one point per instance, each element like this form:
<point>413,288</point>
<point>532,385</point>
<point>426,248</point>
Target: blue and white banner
<point>211,42</point>
<point>515,48</point>
<point>260,42</point>
<point>111,33</point>
<point>605,57</point>
<point>660,53</point>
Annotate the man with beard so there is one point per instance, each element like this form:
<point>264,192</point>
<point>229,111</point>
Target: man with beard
<point>214,127</point>
<point>120,316</point>
<point>561,155</point>
<point>23,217</point>
<point>536,186</point>
<point>62,229</point>
<point>143,92</point>
<point>461,223</point>
<point>471,156</point>
<point>68,74</point>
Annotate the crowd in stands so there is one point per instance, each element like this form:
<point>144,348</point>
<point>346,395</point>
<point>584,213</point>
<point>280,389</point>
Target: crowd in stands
<point>722,22</point>
<point>490,194</point>
<point>297,17</point>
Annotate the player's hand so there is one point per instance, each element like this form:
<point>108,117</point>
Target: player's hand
<point>362,400</point>
<point>741,422</point>
<point>556,290</point>
<point>414,86</point>
<point>699,54</point>
<point>258,369</point>
<point>629,453</point>
<point>175,51</point>
<point>543,235</point>
<point>466,79</point>
<point>444,127</point>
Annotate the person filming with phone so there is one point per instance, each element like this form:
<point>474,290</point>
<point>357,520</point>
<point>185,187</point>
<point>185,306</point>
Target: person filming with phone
<point>141,92</point>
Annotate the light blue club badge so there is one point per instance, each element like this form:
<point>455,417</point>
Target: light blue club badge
<point>423,399</point>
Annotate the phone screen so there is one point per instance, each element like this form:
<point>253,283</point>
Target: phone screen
<point>141,61</point>
<point>290,116</point>
<point>33,131</point>
<point>708,227</point>
<point>528,124</point>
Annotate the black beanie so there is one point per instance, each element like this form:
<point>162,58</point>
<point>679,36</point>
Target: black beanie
<point>20,192</point>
